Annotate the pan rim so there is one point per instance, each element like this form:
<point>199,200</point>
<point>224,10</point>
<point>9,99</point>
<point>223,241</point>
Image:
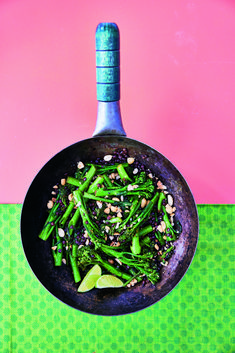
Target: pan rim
<point>116,138</point>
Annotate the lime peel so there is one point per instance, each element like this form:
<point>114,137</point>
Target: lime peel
<point>89,281</point>
<point>108,281</point>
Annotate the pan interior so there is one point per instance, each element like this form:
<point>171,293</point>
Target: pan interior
<point>59,281</point>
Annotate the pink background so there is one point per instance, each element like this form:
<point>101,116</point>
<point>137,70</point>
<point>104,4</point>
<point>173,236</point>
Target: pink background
<point>177,85</point>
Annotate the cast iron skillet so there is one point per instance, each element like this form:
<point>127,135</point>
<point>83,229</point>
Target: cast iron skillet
<point>59,280</point>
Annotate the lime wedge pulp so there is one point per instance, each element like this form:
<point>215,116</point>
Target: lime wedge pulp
<point>90,279</point>
<point>108,281</point>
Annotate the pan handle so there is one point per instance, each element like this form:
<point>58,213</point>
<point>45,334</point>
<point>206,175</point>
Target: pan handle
<point>109,121</point>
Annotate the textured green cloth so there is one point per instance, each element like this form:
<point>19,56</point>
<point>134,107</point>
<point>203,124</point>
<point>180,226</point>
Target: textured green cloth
<point>197,316</point>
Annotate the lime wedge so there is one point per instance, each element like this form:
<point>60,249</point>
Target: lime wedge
<point>90,279</point>
<point>108,281</point>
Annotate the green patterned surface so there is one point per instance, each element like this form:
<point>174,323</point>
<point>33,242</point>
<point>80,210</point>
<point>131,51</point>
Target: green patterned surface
<point>197,316</point>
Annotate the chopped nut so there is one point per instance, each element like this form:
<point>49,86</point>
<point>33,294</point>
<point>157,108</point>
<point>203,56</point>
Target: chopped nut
<point>150,175</point>
<point>80,165</point>
<point>115,199</point>
<point>122,198</point>
<point>169,209</point>
<point>53,193</point>
<point>112,176</point>
<point>156,247</point>
<point>107,210</point>
<point>170,200</point>
<point>50,204</point>
<point>80,246</point>
<point>160,228</point>
<point>119,215</point>
<point>118,261</point>
<point>115,243</point>
<point>114,208</point>
<point>111,261</point>
<point>135,186</point>
<point>54,247</point>
<point>164,237</point>
<point>99,204</point>
<point>63,181</point>
<point>107,229</point>
<point>86,235</point>
<point>116,233</point>
<point>55,187</point>
<point>135,171</point>
<point>53,199</point>
<point>108,157</point>
<point>130,187</point>
<point>61,232</point>
<point>64,261</point>
<point>111,237</point>
<point>163,224</point>
<point>164,263</point>
<point>132,283</point>
<point>143,203</point>
<point>70,197</point>
<point>160,185</point>
<point>130,160</point>
<point>87,242</point>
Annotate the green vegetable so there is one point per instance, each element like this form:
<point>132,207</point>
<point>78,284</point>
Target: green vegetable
<point>107,224</point>
<point>75,269</point>
<point>122,173</point>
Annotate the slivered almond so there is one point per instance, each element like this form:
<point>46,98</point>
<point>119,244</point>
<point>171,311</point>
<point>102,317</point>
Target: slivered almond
<point>115,243</point>
<point>108,157</point>
<point>143,203</point>
<point>63,181</point>
<point>130,160</point>
<point>70,197</point>
<point>163,224</point>
<point>99,204</point>
<point>169,209</point>
<point>61,232</point>
<point>135,171</point>
<point>50,204</point>
<point>114,208</point>
<point>170,200</point>
<point>80,165</point>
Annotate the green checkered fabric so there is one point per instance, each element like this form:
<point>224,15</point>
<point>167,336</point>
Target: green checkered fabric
<point>197,316</point>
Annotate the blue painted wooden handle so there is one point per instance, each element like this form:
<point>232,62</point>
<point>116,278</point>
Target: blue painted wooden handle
<point>107,62</point>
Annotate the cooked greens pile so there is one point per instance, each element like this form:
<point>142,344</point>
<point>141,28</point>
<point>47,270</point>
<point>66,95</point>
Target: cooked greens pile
<point>116,213</point>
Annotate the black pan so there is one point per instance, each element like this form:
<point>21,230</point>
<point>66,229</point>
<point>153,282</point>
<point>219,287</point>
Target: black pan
<point>59,280</point>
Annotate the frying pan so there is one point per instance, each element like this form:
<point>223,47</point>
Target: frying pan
<point>109,135</point>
